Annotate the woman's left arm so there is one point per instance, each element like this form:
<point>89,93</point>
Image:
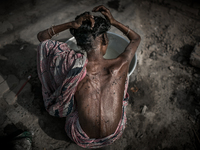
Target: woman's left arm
<point>50,32</point>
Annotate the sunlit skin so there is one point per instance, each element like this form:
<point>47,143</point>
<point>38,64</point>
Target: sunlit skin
<point>100,94</point>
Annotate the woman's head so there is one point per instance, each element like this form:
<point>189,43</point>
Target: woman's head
<point>85,35</point>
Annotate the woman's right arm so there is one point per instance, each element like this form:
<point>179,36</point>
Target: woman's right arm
<point>49,33</point>
<point>134,38</point>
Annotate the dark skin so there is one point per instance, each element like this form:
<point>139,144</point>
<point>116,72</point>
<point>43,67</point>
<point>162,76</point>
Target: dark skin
<point>99,95</point>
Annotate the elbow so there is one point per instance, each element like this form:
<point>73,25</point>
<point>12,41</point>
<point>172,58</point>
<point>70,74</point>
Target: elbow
<point>136,39</point>
<point>139,38</point>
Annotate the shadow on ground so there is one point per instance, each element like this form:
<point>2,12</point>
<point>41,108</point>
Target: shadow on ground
<point>19,59</point>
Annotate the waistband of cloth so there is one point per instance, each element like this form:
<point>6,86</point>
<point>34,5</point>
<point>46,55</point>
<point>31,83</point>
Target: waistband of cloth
<point>75,132</point>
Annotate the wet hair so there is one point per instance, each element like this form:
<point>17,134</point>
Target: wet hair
<point>84,34</point>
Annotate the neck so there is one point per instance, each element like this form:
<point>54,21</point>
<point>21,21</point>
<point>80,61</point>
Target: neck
<point>95,55</point>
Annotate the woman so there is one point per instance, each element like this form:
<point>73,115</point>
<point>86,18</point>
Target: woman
<point>91,92</point>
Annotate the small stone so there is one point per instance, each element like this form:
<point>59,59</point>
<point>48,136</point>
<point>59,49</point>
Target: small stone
<point>152,47</point>
<point>141,136</point>
<point>178,49</point>
<point>168,47</point>
<point>153,55</point>
<point>144,109</point>
<point>165,78</point>
<point>171,67</point>
<point>23,47</point>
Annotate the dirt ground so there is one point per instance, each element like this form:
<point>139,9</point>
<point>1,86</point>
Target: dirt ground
<point>162,115</point>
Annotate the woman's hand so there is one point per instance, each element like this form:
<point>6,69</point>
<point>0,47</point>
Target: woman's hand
<point>106,12</point>
<point>78,22</point>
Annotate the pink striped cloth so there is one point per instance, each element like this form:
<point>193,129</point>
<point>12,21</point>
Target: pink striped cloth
<point>60,69</point>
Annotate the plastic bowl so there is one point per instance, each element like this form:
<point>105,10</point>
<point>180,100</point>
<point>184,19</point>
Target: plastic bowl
<point>116,46</point>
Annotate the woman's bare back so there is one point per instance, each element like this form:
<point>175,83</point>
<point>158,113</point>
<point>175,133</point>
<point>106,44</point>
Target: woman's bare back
<point>99,97</point>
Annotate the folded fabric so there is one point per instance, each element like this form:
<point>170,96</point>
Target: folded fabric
<point>60,69</point>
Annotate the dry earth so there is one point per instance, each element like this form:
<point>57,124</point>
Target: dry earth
<point>162,114</point>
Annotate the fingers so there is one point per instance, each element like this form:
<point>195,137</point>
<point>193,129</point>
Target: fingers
<point>100,8</point>
<point>90,18</point>
<point>104,13</point>
<point>92,21</point>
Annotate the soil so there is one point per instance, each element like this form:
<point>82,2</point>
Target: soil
<point>164,107</point>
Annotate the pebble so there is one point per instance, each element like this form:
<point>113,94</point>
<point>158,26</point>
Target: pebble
<point>152,47</point>
<point>144,109</point>
<point>171,67</point>
<point>153,55</point>
<point>178,49</point>
<point>165,78</point>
